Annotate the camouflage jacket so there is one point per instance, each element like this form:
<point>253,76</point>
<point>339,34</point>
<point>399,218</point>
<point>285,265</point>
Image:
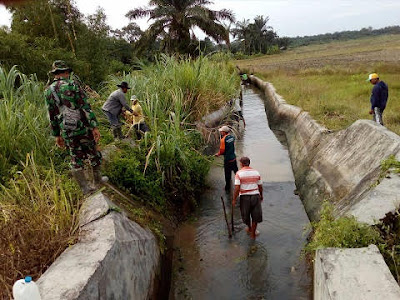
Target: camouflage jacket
<point>70,114</point>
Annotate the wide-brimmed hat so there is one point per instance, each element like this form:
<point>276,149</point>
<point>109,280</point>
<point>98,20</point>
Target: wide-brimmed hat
<point>59,66</point>
<point>372,76</point>
<point>123,84</point>
<point>224,129</point>
<point>134,97</point>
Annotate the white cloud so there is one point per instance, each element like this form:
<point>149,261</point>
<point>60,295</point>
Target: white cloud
<point>288,17</point>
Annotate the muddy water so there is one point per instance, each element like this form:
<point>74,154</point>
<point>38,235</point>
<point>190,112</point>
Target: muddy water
<point>208,265</point>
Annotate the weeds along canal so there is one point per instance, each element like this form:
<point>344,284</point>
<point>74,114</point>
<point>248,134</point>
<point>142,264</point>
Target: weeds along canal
<point>209,265</point>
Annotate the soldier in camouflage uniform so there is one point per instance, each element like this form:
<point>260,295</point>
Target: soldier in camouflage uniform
<point>73,124</point>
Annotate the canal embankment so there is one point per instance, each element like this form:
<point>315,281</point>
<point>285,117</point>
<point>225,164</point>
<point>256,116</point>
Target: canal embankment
<point>343,168</point>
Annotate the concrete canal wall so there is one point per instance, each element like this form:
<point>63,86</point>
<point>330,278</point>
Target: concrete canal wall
<point>115,258</point>
<point>342,167</point>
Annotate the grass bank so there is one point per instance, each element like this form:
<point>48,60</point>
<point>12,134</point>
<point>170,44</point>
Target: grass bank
<point>168,166</point>
<point>329,80</point>
<point>38,205</point>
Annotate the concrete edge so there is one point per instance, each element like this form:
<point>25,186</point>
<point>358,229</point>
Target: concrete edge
<point>349,273</point>
<point>109,244</point>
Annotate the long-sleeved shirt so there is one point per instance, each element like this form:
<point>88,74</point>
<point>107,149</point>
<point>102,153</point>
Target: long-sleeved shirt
<point>70,110</point>
<point>227,147</point>
<point>136,119</point>
<point>379,95</point>
<point>115,102</point>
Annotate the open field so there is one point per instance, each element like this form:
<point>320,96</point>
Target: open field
<point>328,80</point>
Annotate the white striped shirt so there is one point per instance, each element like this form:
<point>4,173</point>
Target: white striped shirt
<point>248,179</point>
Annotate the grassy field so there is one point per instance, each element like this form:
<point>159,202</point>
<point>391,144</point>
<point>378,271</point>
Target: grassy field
<point>328,80</point>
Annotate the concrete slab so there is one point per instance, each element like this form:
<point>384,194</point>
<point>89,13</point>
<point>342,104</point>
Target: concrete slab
<point>353,274</point>
<point>94,207</point>
<point>383,199</point>
<point>115,258</point>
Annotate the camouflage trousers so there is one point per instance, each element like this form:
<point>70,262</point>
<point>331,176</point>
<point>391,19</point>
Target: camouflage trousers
<point>83,147</point>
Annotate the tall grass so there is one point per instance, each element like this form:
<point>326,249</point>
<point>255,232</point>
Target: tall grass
<point>174,95</point>
<point>38,206</point>
<point>38,220</point>
<point>23,120</point>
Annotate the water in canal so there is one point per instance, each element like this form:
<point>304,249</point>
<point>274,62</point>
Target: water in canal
<point>208,265</point>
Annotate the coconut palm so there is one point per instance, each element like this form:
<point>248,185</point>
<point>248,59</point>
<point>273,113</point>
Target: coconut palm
<point>174,19</point>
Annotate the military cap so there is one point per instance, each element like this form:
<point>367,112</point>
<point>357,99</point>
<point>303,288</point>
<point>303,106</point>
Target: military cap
<point>60,66</point>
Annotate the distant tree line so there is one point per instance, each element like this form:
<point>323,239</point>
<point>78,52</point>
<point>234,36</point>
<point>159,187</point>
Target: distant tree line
<point>341,36</point>
<point>44,30</point>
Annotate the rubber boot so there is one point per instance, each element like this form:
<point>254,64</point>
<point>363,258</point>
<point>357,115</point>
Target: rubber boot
<point>116,133</point>
<point>97,177</point>
<point>83,183</point>
<point>119,132</point>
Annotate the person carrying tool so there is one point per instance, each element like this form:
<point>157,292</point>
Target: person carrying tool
<point>113,108</point>
<point>248,186</point>
<point>378,98</point>
<point>73,124</point>
<point>136,118</point>
<point>227,149</point>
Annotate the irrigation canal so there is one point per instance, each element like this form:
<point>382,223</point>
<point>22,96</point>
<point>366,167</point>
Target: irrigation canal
<point>208,265</point>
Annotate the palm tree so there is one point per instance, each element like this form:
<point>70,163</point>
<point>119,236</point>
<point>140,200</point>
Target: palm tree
<point>173,20</point>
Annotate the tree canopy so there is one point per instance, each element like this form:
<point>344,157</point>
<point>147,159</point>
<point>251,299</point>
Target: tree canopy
<point>173,21</point>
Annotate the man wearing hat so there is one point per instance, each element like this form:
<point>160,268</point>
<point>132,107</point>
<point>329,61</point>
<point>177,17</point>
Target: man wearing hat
<point>73,124</point>
<point>113,108</point>
<point>379,97</point>
<point>227,149</point>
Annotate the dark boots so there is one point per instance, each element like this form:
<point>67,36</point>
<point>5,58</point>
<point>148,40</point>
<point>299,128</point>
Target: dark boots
<point>97,177</point>
<point>81,179</point>
<point>86,187</point>
<point>117,133</point>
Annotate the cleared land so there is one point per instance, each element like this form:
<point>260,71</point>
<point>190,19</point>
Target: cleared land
<point>328,80</point>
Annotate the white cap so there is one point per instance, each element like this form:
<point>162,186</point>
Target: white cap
<point>133,98</point>
<point>224,129</point>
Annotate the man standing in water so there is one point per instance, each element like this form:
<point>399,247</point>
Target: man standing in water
<point>227,149</point>
<point>379,98</point>
<point>248,185</point>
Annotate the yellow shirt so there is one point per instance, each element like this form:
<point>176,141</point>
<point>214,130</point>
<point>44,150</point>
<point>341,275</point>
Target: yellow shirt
<point>138,110</point>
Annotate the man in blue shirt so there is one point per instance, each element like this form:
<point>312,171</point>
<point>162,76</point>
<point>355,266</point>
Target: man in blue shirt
<point>227,149</point>
<point>379,97</point>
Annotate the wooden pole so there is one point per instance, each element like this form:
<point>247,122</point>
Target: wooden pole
<point>233,227</point>
<point>226,218</point>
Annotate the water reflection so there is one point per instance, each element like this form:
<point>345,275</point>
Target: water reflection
<point>208,265</point>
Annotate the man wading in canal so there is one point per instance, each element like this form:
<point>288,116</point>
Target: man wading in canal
<point>227,149</point>
<point>248,185</point>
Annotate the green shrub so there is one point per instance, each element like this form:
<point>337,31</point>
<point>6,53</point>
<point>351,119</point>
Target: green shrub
<point>344,232</point>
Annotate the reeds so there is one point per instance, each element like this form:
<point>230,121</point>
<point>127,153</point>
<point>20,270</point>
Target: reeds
<point>174,94</point>
<point>38,207</point>
<point>38,220</point>
<point>23,120</point>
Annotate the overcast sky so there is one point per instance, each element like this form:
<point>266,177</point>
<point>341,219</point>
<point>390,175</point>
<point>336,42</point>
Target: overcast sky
<point>287,17</point>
